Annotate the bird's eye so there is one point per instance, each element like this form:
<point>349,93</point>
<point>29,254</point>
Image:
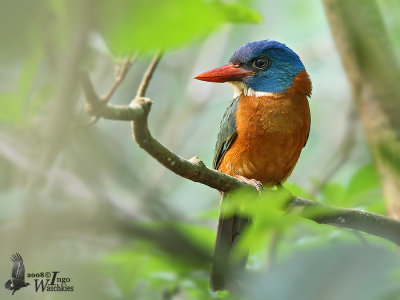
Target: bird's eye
<point>261,62</point>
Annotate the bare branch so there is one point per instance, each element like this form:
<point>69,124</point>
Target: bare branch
<point>355,219</point>
<point>147,76</point>
<point>97,108</point>
<point>92,99</point>
<point>120,76</point>
<point>194,169</point>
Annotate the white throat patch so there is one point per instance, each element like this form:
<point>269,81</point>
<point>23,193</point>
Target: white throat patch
<point>240,88</point>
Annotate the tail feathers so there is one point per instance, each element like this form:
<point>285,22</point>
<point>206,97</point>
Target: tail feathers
<point>222,269</point>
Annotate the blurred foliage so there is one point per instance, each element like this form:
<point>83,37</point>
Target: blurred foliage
<point>144,269</point>
<point>87,201</point>
<point>42,28</point>
<point>340,271</point>
<point>310,258</point>
<point>390,9</point>
<point>155,24</point>
<point>362,191</point>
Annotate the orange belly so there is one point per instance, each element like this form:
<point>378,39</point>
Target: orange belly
<point>271,132</point>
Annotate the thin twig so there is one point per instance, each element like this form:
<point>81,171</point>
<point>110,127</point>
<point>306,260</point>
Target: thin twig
<point>95,107</point>
<point>128,62</point>
<point>119,77</point>
<point>147,76</point>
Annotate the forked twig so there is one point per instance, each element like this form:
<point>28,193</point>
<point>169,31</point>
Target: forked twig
<point>119,77</point>
<point>126,65</point>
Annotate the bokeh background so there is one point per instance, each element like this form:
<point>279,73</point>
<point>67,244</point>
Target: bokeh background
<point>85,200</point>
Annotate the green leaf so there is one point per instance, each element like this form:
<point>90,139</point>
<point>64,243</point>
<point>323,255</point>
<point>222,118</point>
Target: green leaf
<point>28,72</point>
<point>146,268</point>
<point>11,108</point>
<point>365,179</point>
<point>334,194</point>
<point>142,262</point>
<point>202,236</point>
<point>126,267</point>
<point>237,13</point>
<point>153,24</point>
<point>298,191</point>
<point>364,190</point>
<point>208,214</point>
<point>378,207</point>
<point>267,212</point>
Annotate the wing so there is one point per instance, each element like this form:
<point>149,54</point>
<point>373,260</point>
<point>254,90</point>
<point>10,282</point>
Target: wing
<point>227,132</point>
<point>17,267</point>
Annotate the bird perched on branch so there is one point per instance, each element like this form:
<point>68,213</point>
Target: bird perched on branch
<point>17,280</point>
<point>262,131</point>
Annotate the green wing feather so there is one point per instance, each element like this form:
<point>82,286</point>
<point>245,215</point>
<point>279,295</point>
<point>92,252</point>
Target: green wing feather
<point>227,132</point>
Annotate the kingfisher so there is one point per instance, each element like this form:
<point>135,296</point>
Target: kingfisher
<point>262,132</point>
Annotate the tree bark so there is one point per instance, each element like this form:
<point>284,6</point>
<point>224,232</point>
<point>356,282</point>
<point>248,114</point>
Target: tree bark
<point>364,46</point>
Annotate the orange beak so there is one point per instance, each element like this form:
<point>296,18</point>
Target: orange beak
<point>229,72</point>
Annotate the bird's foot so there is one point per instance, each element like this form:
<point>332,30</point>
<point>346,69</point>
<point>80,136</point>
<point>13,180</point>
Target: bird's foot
<point>257,184</point>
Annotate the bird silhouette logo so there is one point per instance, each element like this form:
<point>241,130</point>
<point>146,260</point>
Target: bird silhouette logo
<point>17,280</point>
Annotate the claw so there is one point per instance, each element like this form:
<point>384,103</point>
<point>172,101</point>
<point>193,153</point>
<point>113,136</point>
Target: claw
<point>257,184</point>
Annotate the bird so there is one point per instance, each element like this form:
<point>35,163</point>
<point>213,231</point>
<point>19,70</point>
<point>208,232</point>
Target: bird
<point>17,280</point>
<point>262,131</point>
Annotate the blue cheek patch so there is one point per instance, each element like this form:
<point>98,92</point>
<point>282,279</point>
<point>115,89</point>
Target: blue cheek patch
<point>274,84</point>
<point>276,79</point>
<point>279,76</point>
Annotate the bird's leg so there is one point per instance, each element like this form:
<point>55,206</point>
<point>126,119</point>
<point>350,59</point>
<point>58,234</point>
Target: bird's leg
<point>257,184</point>
<point>280,187</point>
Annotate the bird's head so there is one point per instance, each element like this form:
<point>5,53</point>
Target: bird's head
<point>262,67</point>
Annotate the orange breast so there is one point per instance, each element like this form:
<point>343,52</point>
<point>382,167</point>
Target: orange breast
<point>271,132</point>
